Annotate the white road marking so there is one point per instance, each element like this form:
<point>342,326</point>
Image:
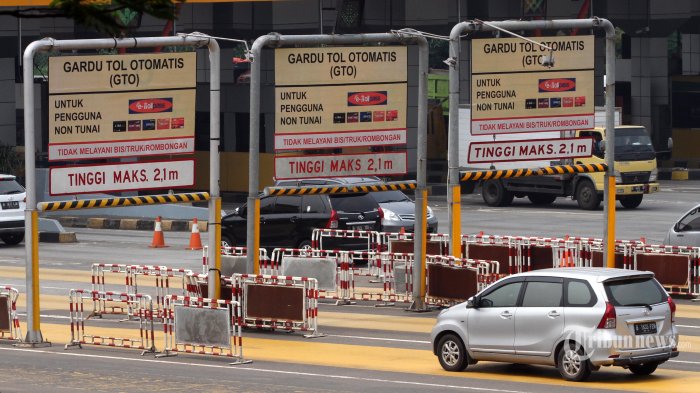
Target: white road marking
<point>382,339</point>
<point>268,371</point>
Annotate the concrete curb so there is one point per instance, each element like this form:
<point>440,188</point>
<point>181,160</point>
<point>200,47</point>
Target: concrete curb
<point>57,237</point>
<point>130,224</point>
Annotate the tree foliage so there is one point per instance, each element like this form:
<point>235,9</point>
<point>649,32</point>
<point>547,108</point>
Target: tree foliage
<point>112,17</point>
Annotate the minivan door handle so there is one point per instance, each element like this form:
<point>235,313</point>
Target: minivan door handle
<point>506,315</point>
<point>553,314</point>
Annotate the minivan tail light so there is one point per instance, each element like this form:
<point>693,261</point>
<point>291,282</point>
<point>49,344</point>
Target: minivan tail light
<point>381,212</point>
<point>609,320</point>
<point>332,221</point>
<point>672,305</point>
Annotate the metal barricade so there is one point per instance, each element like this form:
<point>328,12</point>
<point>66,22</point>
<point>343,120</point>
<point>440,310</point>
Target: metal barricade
<point>9,323</point>
<point>143,312</point>
<point>675,267</point>
<point>163,276</point>
<point>197,325</point>
<point>451,280</point>
<point>98,283</point>
<point>231,251</point>
<point>344,286</point>
<point>494,248</point>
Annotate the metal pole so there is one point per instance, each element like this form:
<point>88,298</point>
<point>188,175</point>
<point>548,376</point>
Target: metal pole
<point>214,225</point>
<point>420,230</point>
<point>453,203</point>
<point>453,190</point>
<point>610,190</point>
<point>31,245</point>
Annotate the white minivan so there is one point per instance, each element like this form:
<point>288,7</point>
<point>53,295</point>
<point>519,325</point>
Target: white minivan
<point>12,205</point>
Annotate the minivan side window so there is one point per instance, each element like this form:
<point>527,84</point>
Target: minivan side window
<point>542,294</point>
<point>312,204</point>
<point>288,204</point>
<point>579,294</point>
<point>267,205</point>
<point>505,296</point>
<point>690,222</point>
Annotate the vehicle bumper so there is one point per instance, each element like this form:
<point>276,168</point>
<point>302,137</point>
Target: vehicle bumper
<point>14,226</point>
<point>642,359</point>
<point>636,189</point>
<point>408,226</point>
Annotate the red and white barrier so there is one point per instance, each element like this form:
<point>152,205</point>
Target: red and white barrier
<point>298,294</point>
<point>232,344</point>
<point>344,279</point>
<point>10,328</point>
<point>169,281</point>
<point>98,283</point>
<point>231,251</point>
<point>143,313</point>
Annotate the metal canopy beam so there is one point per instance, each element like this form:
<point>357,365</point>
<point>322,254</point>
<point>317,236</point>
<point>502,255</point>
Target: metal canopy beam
<point>453,193</point>
<point>274,40</point>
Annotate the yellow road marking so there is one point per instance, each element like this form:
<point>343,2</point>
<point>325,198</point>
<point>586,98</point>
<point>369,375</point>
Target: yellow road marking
<point>413,361</point>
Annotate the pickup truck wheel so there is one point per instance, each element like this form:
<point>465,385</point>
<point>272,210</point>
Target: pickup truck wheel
<point>632,201</point>
<point>587,196</point>
<point>495,194</point>
<point>12,238</point>
<point>541,199</point>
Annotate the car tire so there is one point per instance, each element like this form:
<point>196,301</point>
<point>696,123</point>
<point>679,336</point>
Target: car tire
<point>643,369</point>
<point>305,245</point>
<point>226,242</point>
<point>586,195</point>
<point>541,199</point>
<point>572,362</point>
<point>451,353</point>
<point>12,238</point>
<point>495,194</point>
<point>632,201</point>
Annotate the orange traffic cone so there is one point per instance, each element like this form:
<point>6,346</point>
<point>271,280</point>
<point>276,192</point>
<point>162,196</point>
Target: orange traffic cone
<point>566,261</point>
<point>402,231</point>
<point>158,239</point>
<point>195,238</point>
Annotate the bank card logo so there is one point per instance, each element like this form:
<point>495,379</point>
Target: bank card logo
<point>151,105</point>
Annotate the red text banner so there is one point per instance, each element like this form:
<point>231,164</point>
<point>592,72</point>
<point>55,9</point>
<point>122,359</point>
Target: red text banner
<point>338,165</point>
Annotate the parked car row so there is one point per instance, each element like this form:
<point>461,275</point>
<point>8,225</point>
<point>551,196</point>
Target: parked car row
<point>289,220</point>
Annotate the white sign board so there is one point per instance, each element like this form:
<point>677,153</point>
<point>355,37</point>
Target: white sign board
<point>339,165</point>
<point>529,150</point>
<point>121,177</point>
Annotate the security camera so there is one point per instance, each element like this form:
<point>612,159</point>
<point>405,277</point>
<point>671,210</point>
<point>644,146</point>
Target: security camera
<point>547,60</point>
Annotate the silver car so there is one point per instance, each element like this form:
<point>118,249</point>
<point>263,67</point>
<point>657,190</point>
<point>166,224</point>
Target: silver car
<point>12,205</point>
<point>686,231</point>
<point>576,319</point>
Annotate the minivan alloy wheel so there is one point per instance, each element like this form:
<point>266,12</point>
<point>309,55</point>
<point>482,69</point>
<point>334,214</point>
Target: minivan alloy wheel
<point>451,353</point>
<point>571,361</point>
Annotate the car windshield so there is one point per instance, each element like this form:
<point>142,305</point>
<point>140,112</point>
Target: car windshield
<point>10,186</point>
<point>636,292</point>
<point>389,196</point>
<point>633,144</point>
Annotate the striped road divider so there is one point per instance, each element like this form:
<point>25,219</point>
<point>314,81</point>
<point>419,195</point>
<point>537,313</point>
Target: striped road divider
<point>123,201</point>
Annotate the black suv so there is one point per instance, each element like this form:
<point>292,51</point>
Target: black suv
<point>289,220</point>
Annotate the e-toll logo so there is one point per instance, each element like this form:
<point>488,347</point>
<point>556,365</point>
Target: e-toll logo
<point>150,105</point>
<point>557,85</point>
<point>367,98</point>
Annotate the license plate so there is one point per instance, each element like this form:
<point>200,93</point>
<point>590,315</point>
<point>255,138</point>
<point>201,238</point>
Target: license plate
<point>362,227</point>
<point>645,328</point>
<point>10,205</point>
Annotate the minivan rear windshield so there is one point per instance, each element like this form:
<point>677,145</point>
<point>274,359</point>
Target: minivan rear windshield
<point>353,203</point>
<point>10,186</point>
<point>635,292</point>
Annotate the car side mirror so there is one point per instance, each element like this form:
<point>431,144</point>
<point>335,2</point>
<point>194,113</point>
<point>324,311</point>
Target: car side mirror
<point>473,302</point>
